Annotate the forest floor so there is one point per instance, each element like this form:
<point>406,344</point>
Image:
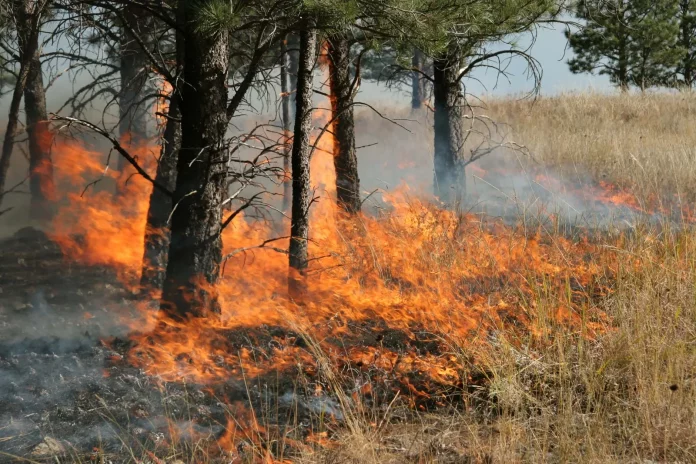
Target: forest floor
<point>624,391</point>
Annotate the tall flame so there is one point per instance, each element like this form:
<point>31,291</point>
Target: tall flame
<point>426,276</point>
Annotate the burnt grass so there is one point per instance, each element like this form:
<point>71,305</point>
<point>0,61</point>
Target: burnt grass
<point>67,388</point>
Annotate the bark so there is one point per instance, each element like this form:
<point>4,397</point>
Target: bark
<point>26,54</point>
<point>41,185</point>
<point>285,90</point>
<point>133,112</point>
<point>416,86</point>
<point>301,186</point>
<point>195,251</point>
<point>345,157</point>
<point>450,184</point>
<point>157,233</point>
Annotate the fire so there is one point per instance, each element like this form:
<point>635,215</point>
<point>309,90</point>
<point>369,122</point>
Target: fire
<point>94,226</point>
<point>161,104</point>
<point>389,294</point>
<point>417,269</point>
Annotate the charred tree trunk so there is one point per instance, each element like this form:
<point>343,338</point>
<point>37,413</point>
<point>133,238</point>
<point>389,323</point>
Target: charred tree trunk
<point>342,94</point>
<point>157,233</point>
<point>133,114</point>
<point>195,252</point>
<point>416,86</point>
<point>301,184</point>
<point>285,90</point>
<point>450,184</point>
<point>41,184</point>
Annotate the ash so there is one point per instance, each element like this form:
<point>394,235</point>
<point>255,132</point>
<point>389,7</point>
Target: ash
<point>66,388</point>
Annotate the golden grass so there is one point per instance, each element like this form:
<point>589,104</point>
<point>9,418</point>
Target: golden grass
<point>627,396</point>
<point>644,142</point>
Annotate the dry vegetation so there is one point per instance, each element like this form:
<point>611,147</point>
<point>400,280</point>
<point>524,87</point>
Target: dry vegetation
<point>560,394</point>
<point>643,142</point>
<point>627,395</point>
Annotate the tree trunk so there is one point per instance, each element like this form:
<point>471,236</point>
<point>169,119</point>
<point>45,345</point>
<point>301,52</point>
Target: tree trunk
<point>287,186</point>
<point>345,158</point>
<point>157,233</point>
<point>450,180</point>
<point>41,184</point>
<point>11,130</point>
<point>416,86</point>
<point>622,77</point>
<point>132,110</point>
<point>26,54</point>
<point>301,186</point>
<point>195,252</point>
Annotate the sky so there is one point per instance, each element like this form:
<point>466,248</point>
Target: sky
<point>550,49</point>
<point>552,52</point>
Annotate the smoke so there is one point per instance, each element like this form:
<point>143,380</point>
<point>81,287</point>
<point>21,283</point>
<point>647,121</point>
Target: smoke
<point>507,182</point>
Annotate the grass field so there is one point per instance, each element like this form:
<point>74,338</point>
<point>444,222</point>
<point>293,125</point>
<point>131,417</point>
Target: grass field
<point>596,364</point>
<point>627,395</point>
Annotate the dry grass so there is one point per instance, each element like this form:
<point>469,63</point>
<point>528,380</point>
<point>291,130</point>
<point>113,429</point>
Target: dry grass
<point>646,143</point>
<point>627,396</point>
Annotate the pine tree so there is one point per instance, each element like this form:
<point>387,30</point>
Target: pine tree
<point>157,232</point>
<point>686,68</point>
<point>41,184</point>
<point>465,31</point>
<point>301,185</point>
<point>208,102</point>
<point>654,45</point>
<point>343,89</point>
<point>630,41</point>
<point>134,78</point>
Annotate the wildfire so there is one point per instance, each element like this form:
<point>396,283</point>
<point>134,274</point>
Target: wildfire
<point>416,268</point>
<point>94,226</point>
<point>389,295</point>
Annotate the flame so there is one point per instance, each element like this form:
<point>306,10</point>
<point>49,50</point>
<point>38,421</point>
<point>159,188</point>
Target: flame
<point>161,104</point>
<point>98,227</point>
<point>414,270</point>
<point>387,294</point>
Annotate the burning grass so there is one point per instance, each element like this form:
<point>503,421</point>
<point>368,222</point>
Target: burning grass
<point>434,336</point>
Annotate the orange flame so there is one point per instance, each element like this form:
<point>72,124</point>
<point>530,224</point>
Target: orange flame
<point>421,275</point>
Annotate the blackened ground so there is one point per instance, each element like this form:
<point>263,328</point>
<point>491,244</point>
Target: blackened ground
<point>66,389</point>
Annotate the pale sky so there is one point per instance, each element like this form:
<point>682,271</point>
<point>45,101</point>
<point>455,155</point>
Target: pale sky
<point>550,49</point>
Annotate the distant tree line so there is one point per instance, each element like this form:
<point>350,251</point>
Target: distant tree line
<point>642,43</point>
